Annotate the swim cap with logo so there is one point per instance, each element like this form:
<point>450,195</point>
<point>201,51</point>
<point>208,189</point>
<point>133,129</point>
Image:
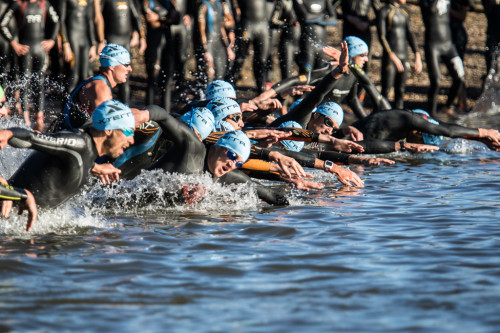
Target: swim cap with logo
<point>222,107</point>
<point>111,115</point>
<point>429,139</point>
<point>332,110</point>
<point>290,144</point>
<point>223,126</point>
<point>220,88</point>
<point>200,119</point>
<point>114,55</point>
<point>237,142</point>
<point>356,46</point>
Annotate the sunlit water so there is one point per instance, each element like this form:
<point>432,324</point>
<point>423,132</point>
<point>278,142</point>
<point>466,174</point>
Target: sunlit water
<point>415,250</point>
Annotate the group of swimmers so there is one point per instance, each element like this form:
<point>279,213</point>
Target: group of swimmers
<point>233,139</point>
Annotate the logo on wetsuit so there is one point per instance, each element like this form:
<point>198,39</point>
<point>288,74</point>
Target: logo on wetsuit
<point>58,141</point>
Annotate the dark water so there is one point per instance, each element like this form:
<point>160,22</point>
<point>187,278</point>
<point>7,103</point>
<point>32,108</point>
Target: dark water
<point>415,250</point>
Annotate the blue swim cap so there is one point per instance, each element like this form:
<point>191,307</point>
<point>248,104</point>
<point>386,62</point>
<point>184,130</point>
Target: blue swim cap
<point>356,46</point>
<point>223,126</point>
<point>220,88</point>
<point>237,142</point>
<point>291,144</point>
<point>114,55</point>
<point>297,102</point>
<point>200,119</point>
<point>429,139</point>
<point>112,114</point>
<point>222,107</point>
<point>332,110</point>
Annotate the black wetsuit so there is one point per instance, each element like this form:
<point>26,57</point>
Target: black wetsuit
<point>8,192</point>
<point>187,154</point>
<point>492,11</point>
<point>158,54</point>
<point>253,29</point>
<point>395,34</point>
<point>77,29</point>
<point>311,16</point>
<point>121,19</point>
<point>359,9</point>
<point>439,46</point>
<point>179,45</point>
<point>284,18</point>
<point>395,125</point>
<point>8,60</point>
<point>343,90</point>
<point>36,21</point>
<point>59,167</point>
<point>212,14</point>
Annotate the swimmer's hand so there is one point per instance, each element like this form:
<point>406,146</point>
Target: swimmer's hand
<point>332,53</point>
<point>266,137</point>
<point>345,146</point>
<point>248,107</point>
<point>5,136</point>
<point>288,164</point>
<point>296,91</point>
<point>353,132</point>
<point>491,138</point>
<point>303,184</point>
<point>268,104</point>
<point>416,147</point>
<point>30,205</point>
<point>369,161</point>
<point>106,172</point>
<point>345,176</point>
<point>20,49</point>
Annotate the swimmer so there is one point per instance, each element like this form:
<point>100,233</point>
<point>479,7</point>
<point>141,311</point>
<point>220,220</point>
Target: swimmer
<point>417,126</point>
<point>60,165</point>
<point>114,70</point>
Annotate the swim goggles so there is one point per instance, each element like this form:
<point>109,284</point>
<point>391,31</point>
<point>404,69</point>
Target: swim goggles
<point>234,157</point>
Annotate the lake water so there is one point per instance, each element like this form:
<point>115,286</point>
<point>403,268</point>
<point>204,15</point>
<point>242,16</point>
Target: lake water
<point>416,250</point>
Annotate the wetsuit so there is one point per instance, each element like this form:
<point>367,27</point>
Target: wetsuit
<point>395,34</point>
<point>36,21</point>
<point>311,16</point>
<point>253,29</point>
<point>395,125</point>
<point>121,19</point>
<point>210,16</point>
<point>8,60</point>
<point>492,11</point>
<point>8,192</point>
<point>284,18</point>
<point>74,114</point>
<point>179,45</point>
<point>458,15</point>
<point>359,9</point>
<point>77,29</point>
<point>159,65</point>
<point>59,167</point>
<point>439,46</point>
<point>343,90</point>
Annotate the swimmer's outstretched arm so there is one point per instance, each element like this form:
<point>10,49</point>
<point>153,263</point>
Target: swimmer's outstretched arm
<point>57,144</point>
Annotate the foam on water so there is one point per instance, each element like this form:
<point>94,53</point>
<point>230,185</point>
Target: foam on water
<point>155,191</point>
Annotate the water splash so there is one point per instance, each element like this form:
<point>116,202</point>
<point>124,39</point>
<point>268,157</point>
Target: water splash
<point>157,191</point>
